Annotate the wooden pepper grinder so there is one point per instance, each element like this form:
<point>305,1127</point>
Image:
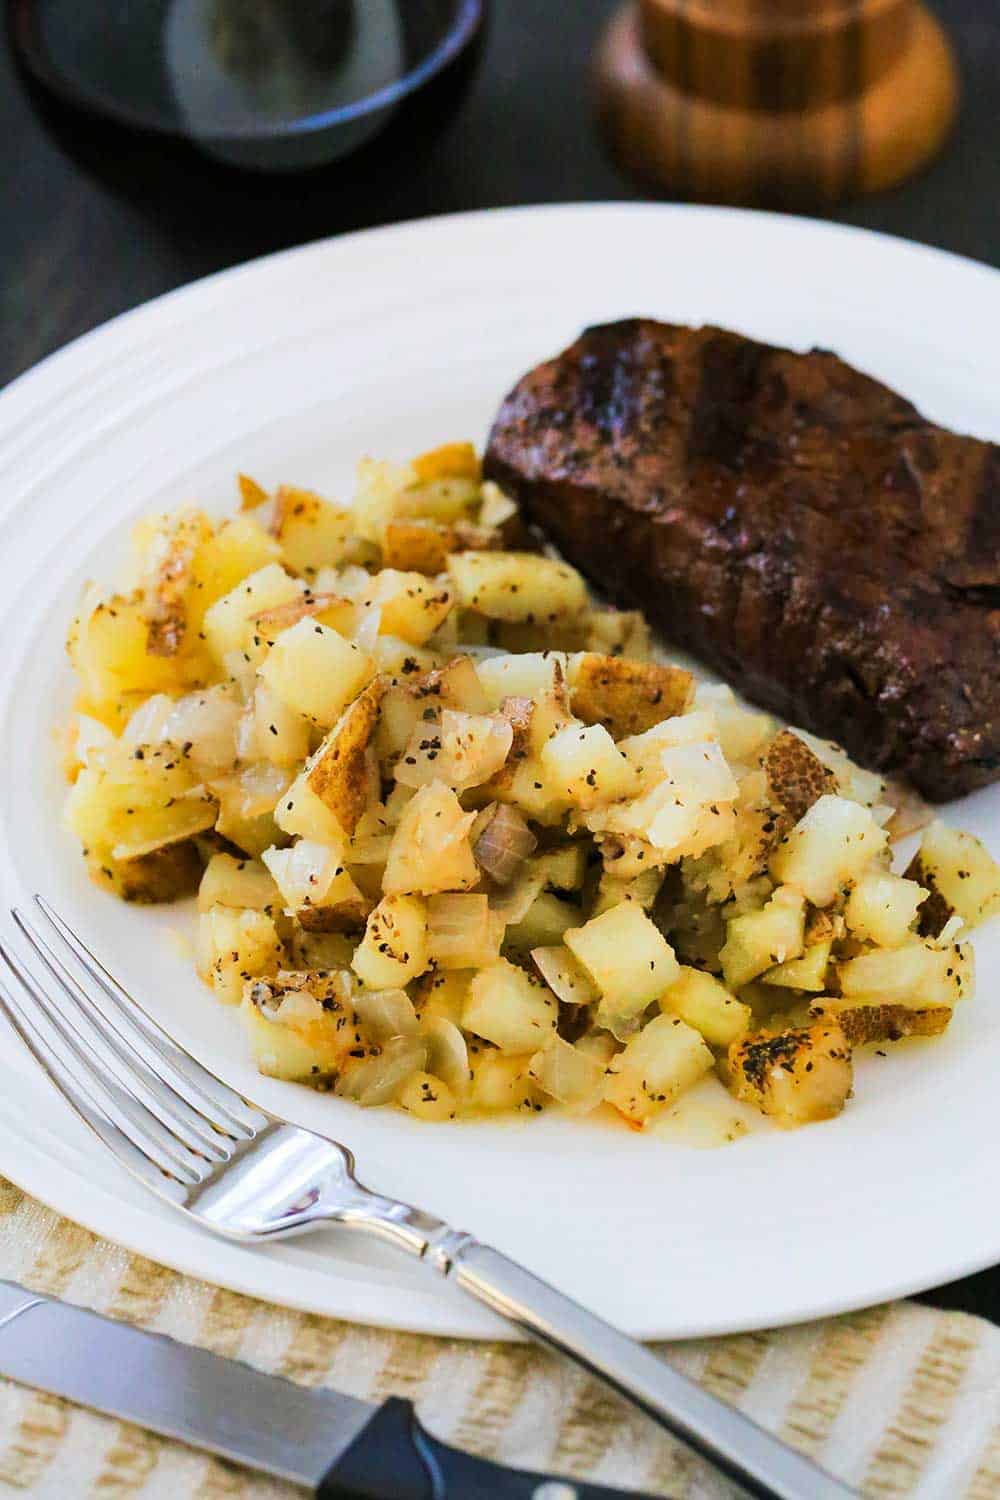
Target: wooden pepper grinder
<point>786,102</point>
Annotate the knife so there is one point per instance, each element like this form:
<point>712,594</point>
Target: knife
<point>338,1447</point>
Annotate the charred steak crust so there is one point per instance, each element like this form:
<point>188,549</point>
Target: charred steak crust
<point>794,523</point>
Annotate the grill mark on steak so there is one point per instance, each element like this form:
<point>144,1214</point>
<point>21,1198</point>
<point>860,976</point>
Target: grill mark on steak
<point>795,523</point>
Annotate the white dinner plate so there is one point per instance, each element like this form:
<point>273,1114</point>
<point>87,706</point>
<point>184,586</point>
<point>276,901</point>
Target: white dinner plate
<point>387,343</point>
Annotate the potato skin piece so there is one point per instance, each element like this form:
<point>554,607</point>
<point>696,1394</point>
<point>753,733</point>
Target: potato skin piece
<point>796,778</point>
<point>166,874</point>
<point>882,1023</point>
<point>628,697</point>
<point>340,776</point>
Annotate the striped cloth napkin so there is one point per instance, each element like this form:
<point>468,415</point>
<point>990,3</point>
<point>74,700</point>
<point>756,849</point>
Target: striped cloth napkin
<point>899,1400</point>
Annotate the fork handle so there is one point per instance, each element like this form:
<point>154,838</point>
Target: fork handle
<point>759,1464</point>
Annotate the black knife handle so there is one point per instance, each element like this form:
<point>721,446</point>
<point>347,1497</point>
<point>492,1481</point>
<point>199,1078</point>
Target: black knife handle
<point>395,1459</point>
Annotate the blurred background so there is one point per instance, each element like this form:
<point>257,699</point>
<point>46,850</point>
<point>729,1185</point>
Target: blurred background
<point>94,221</point>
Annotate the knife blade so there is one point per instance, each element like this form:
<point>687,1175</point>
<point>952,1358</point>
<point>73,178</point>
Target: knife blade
<point>334,1445</point>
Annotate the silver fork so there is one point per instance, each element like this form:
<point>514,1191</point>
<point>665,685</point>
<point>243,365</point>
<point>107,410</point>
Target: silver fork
<point>250,1176</point>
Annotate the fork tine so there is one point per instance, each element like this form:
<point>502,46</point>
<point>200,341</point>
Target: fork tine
<point>239,1118</point>
<point>128,1113</point>
<point>117,1142</point>
<point>170,1108</point>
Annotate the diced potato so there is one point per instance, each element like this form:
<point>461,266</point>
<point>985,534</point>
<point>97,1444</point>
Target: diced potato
<point>311,532</point>
<point>742,731</point>
<point>882,908</point>
<point>418,546</point>
<point>234,946</point>
<point>917,974</point>
<point>342,774</point>
<point>238,550</point>
<point>702,1002</point>
<point>301,1025</point>
<point>611,890</point>
<point>394,948</point>
<point>795,1077</point>
<point>626,956</point>
<point>830,846</point>
<point>656,1066</point>
<point>280,734</point>
<point>412,606</point>
<point>474,746</point>
<point>865,1019</point>
<point>573,1077</point>
<point>586,765</point>
<point>449,461</point>
<point>237,882</point>
<point>645,750</point>
<point>428,1098</point>
<point>430,850</point>
<point>517,586</point>
<point>759,940</point>
<point>134,800</point>
<point>315,671</point>
<point>805,973</point>
<point>961,874</point>
<point>510,1007</point>
<point>626,697</point>
<point>229,622</point>
<point>246,809</point>
<point>502,1082</point>
<point>565,868</point>
<point>442,996</point>
<point>252,494</point>
<point>300,811</point>
<point>107,645</point>
<point>530,676</point>
<point>688,809</point>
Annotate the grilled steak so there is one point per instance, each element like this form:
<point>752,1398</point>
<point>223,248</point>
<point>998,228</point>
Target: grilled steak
<point>791,521</point>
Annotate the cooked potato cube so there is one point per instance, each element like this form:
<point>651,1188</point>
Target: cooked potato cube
<point>107,645</point>
<point>961,874</point>
<point>229,622</point>
<point>866,1019</point>
<point>301,1025</point>
<point>394,948</point>
<point>611,890</point>
<point>530,676</point>
<point>312,533</point>
<point>134,800</point>
<point>510,1008</point>
<point>237,882</point>
<point>587,767</point>
<point>759,940</point>
<point>741,731</point>
<point>805,973</point>
<point>418,546</point>
<point>795,1077</point>
<point>502,1082</point>
<point>166,874</point>
<point>239,549</point>
<point>626,697</point>
<point>279,734</point>
<point>430,850</point>
<point>687,811</point>
<point>315,671</point>
<point>656,1066</point>
<point>917,974</point>
<point>449,461</point>
<point>882,908</point>
<point>234,946</point>
<point>626,956</point>
<point>517,586</point>
<point>702,1002</point>
<point>428,1098</point>
<point>412,606</point>
<point>300,811</point>
<point>830,846</point>
<point>442,996</point>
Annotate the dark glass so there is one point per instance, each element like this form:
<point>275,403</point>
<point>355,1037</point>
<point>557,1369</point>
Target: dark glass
<point>153,94</point>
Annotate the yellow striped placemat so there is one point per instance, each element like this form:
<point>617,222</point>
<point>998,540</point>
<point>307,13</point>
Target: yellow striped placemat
<point>900,1400</point>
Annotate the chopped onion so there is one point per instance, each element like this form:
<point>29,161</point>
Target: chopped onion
<point>369,623</point>
<point>256,790</point>
<point>305,872</point>
<point>447,1054</point>
<point>513,903</point>
<point>145,727</point>
<point>462,932</point>
<point>566,978</point>
<point>91,735</point>
<point>386,1013</point>
<point>574,1078</point>
<point>206,723</point>
<point>379,1079</point>
<point>474,746</point>
<point>504,845</point>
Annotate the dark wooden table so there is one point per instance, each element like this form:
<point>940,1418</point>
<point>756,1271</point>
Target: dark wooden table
<point>73,254</point>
